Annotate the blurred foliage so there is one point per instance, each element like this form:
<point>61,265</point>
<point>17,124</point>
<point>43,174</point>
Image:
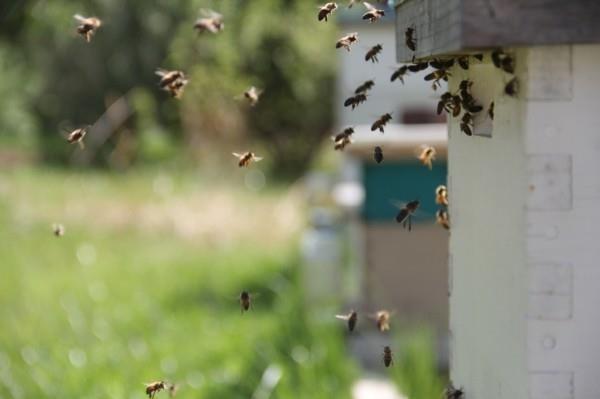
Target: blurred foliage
<point>276,45</point>
<point>415,367</point>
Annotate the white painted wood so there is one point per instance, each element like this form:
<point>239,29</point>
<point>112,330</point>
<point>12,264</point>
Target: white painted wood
<point>525,243</point>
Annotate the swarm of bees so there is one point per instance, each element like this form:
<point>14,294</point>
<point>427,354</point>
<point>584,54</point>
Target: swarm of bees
<point>87,26</point>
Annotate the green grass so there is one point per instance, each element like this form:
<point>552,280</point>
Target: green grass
<point>109,306</point>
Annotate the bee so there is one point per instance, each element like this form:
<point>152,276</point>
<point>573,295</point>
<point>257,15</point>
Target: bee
<point>245,301</point>
<point>325,10</point>
<point>382,319</point>
<point>409,38</point>
<point>399,73</point>
<point>355,100</point>
<point>381,122</point>
<point>373,52</point>
<point>466,124</point>
<point>365,87</point>
<point>252,95</point>
<point>436,76</point>
<point>351,318</point>
<point>452,393</point>
<point>378,154</point>
<point>347,132</point>
<point>153,388</point>
<point>441,195</point>
<point>87,26</point>
<point>211,21</point>
<point>441,64</point>
<point>76,136</point>
<point>419,66</point>
<point>503,61</point>
<point>427,156</point>
<point>246,158</point>
<point>341,141</point>
<point>466,99</point>
<point>58,230</point>
<point>172,82</point>
<point>404,216</point>
<point>387,356</point>
<point>463,61</point>
<point>373,14</point>
<point>442,218</point>
<point>445,103</point>
<point>173,388</point>
<point>491,111</point>
<point>512,87</point>
<point>347,41</point>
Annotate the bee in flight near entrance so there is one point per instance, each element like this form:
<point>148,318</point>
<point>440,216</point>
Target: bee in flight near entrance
<point>252,95</point>
<point>365,87</point>
<point>246,158</point>
<point>355,100</point>
<point>441,195</point>
<point>245,301</point>
<point>351,318</point>
<point>172,82</point>
<point>382,319</point>
<point>399,74</point>
<point>76,136</point>
<point>442,218</point>
<point>210,21</point>
<point>373,52</point>
<point>452,393</point>
<point>380,123</point>
<point>387,356</point>
<point>325,10</point>
<point>427,156</point>
<point>373,14</point>
<point>87,26</point>
<point>153,388</point>
<point>378,154</point>
<point>405,214</point>
<point>347,41</point>
<point>341,140</point>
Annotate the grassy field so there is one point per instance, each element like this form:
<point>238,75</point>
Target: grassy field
<point>143,286</point>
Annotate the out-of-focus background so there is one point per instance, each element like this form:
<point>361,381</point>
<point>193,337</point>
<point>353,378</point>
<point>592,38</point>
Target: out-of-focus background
<point>163,230</point>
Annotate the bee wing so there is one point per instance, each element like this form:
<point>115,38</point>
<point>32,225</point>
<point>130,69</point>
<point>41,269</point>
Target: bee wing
<point>342,317</point>
<point>80,18</point>
<point>258,159</point>
<point>161,72</point>
<point>235,154</point>
<point>368,6</point>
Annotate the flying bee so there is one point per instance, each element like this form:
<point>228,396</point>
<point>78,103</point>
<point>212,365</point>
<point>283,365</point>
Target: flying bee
<point>347,41</point>
<point>341,141</point>
<point>427,155</point>
<point>373,14</point>
<point>355,100</point>
<point>512,87</point>
<point>409,38</point>
<point>87,26</point>
<point>442,218</point>
<point>387,356</point>
<point>246,158</point>
<point>58,230</point>
<point>365,87</point>
<point>210,21</point>
<point>347,132</point>
<point>399,73</point>
<point>373,52</point>
<point>441,195</point>
<point>325,10</point>
<point>76,136</point>
<point>382,319</point>
<point>378,154</point>
<point>491,111</point>
<point>245,301</point>
<point>418,66</point>
<point>153,388</point>
<point>452,393</point>
<point>404,216</point>
<point>172,82</point>
<point>381,122</point>
<point>466,124</point>
<point>252,95</point>
<point>351,318</point>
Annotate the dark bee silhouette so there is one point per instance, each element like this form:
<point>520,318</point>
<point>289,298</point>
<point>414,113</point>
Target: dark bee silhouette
<point>373,52</point>
<point>326,10</point>
<point>373,14</point>
<point>246,158</point>
<point>466,124</point>
<point>76,136</point>
<point>404,216</point>
<point>463,61</point>
<point>441,195</point>
<point>419,66</point>
<point>378,154</point>
<point>503,61</point>
<point>365,87</point>
<point>245,301</point>
<point>491,111</point>
<point>467,100</point>
<point>341,140</point>
<point>452,393</point>
<point>512,87</point>
<point>409,39</point>
<point>355,100</point>
<point>427,155</point>
<point>58,230</point>
<point>436,76</point>
<point>351,318</point>
<point>347,41</point>
<point>441,64</point>
<point>211,21</point>
<point>87,26</point>
<point>381,122</point>
<point>347,132</point>
<point>153,388</point>
<point>442,218</point>
<point>172,82</point>
<point>387,356</point>
<point>399,73</point>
